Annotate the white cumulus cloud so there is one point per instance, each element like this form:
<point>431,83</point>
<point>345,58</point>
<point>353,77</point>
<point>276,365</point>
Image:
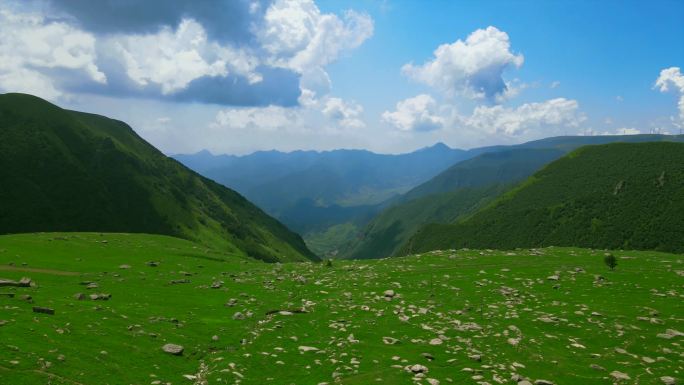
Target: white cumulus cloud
<point>346,113</point>
<point>31,45</point>
<point>672,79</point>
<point>271,118</point>
<point>473,68</point>
<point>418,113</point>
<point>515,121</point>
<point>325,114</point>
<point>298,36</point>
<point>173,59</point>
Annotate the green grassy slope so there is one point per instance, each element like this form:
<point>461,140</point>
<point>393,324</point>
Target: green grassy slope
<point>390,229</point>
<point>619,195</point>
<point>458,191</point>
<point>69,171</point>
<point>448,308</point>
<point>504,166</point>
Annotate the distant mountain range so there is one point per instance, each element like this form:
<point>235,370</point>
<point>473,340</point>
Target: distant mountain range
<point>357,204</point>
<point>312,192</point>
<point>278,181</point>
<point>64,170</point>
<point>614,196</point>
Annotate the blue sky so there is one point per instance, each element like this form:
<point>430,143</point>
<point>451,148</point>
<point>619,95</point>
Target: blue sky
<point>597,50</point>
<point>235,76</point>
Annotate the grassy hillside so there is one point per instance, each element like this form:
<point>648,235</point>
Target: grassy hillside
<point>514,163</point>
<point>458,191</point>
<point>70,171</point>
<point>462,189</point>
<point>628,196</point>
<point>330,197</point>
<point>390,229</point>
<point>466,316</point>
<point>505,166</point>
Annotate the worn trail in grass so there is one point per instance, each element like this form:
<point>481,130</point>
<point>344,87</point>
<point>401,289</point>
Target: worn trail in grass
<point>462,317</point>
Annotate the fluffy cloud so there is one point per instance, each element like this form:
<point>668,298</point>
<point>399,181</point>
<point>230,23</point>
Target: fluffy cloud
<point>173,59</point>
<point>231,52</point>
<point>299,37</point>
<point>415,114</point>
<point>672,77</point>
<point>31,46</point>
<point>422,113</point>
<point>472,68</point>
<point>327,114</point>
<point>516,121</point>
<point>347,114</point>
<point>271,118</point>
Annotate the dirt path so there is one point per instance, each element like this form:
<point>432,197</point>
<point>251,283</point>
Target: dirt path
<point>36,270</point>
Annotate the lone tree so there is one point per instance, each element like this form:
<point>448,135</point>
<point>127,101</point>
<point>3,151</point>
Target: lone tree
<point>610,261</point>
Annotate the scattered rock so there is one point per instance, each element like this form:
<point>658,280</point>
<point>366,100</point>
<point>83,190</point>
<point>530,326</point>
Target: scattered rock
<point>619,375</point>
<point>100,297</point>
<point>174,349</point>
<point>475,357</point>
<point>670,333</point>
<point>238,316</point>
<point>305,349</point>
<point>667,380</point>
<point>44,310</point>
<point>231,302</point>
<point>24,282</point>
<point>417,368</point>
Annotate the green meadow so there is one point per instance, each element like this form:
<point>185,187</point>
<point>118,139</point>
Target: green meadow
<point>455,316</point>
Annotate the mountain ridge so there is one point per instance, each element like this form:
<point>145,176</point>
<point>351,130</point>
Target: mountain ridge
<point>65,170</point>
<point>588,198</point>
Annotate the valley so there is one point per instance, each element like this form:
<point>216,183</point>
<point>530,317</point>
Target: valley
<point>439,194</point>
<point>312,192</point>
